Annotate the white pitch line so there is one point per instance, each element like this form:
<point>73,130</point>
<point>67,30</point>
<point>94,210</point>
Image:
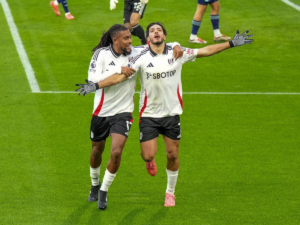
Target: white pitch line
<point>291,4</point>
<point>20,48</point>
<point>241,93</point>
<point>58,92</point>
<point>196,93</point>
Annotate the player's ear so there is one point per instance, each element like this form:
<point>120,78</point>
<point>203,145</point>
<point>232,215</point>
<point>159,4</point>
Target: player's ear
<point>115,40</point>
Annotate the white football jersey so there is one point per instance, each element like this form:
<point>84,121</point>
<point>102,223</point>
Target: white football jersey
<point>118,98</point>
<point>160,77</point>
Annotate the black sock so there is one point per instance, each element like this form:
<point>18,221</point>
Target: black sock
<point>138,31</point>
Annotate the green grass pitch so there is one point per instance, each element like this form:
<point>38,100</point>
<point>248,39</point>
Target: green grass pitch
<point>239,154</point>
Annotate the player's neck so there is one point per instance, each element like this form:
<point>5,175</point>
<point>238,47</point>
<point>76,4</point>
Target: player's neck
<point>117,50</point>
<point>158,49</point>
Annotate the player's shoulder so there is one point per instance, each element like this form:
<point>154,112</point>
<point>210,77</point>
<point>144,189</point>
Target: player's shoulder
<point>142,54</point>
<point>140,46</point>
<point>100,51</point>
<point>169,46</point>
<point>138,49</point>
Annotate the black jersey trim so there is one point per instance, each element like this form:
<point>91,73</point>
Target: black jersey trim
<point>165,52</point>
<point>115,54</point>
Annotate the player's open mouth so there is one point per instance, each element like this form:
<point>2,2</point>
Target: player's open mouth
<point>156,36</point>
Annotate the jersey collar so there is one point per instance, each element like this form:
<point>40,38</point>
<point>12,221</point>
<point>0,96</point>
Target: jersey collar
<point>165,52</point>
<point>115,54</point>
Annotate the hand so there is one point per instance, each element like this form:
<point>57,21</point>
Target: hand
<point>127,71</point>
<point>113,4</point>
<point>144,1</point>
<point>177,52</point>
<point>240,40</point>
<point>87,88</point>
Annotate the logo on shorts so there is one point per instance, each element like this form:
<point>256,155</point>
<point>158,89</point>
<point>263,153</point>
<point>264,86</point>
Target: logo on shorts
<point>137,6</point>
<point>179,136</point>
<point>127,133</point>
<point>141,135</point>
<point>92,134</point>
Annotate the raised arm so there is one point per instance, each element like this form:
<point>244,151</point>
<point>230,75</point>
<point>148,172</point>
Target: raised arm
<point>236,41</point>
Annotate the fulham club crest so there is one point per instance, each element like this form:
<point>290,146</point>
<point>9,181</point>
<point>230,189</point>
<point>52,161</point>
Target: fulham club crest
<point>171,61</point>
<point>130,59</point>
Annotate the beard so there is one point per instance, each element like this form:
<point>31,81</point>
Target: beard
<point>156,43</point>
<point>125,51</point>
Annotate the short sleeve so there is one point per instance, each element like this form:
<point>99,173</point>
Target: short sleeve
<point>96,71</point>
<point>189,55</point>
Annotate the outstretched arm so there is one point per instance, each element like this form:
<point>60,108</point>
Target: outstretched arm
<point>112,80</point>
<point>212,49</point>
<point>236,41</point>
<point>90,86</point>
<point>109,81</point>
<point>116,78</point>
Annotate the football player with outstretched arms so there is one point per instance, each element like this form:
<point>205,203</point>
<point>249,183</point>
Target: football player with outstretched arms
<point>161,98</point>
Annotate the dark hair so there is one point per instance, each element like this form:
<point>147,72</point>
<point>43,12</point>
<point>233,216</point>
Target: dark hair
<point>107,37</point>
<point>155,23</point>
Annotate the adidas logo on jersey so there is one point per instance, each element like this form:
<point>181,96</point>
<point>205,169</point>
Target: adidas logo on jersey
<point>150,65</point>
<point>112,63</point>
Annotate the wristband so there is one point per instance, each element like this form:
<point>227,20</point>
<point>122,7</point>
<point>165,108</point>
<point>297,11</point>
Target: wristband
<point>231,44</point>
<point>97,86</point>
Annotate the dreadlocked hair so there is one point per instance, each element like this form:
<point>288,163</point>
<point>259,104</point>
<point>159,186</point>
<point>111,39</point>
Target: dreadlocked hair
<point>107,37</point>
<point>155,23</point>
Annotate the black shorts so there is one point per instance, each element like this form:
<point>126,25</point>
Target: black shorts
<point>206,2</point>
<point>150,128</point>
<point>101,127</point>
<point>133,6</point>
